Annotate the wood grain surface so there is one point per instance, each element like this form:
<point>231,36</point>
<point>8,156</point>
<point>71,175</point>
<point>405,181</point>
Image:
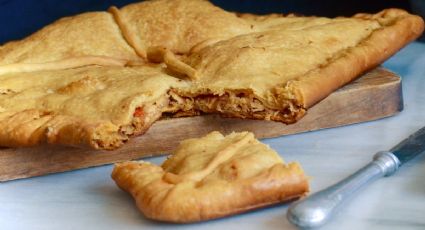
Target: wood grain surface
<point>375,95</point>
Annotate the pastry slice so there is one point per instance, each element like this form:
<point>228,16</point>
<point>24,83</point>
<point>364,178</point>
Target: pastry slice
<point>87,106</point>
<point>86,39</point>
<point>289,63</point>
<point>211,177</point>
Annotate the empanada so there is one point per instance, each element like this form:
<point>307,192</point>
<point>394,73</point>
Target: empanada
<point>211,177</point>
<point>201,59</point>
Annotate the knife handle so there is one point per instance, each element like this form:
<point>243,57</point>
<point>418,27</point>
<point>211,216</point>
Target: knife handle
<point>316,209</point>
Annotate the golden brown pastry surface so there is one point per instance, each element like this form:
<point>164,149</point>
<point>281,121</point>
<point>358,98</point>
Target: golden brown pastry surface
<point>182,57</point>
<point>85,39</point>
<point>292,63</point>
<point>180,24</point>
<point>211,177</point>
<point>95,106</point>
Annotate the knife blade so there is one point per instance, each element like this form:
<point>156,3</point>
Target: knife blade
<point>315,210</point>
<point>410,147</point>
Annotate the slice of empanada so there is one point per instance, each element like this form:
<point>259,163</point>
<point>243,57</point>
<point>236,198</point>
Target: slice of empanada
<point>211,177</point>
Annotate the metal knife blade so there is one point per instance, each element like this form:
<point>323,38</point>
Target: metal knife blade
<point>318,208</point>
<point>410,147</point>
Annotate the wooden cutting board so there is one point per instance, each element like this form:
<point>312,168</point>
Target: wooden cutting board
<point>375,95</point>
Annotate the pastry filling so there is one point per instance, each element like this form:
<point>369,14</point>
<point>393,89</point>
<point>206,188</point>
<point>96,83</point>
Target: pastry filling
<point>231,103</point>
<point>234,104</point>
<point>143,117</point>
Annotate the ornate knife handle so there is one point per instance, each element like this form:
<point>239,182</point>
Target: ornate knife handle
<point>316,209</point>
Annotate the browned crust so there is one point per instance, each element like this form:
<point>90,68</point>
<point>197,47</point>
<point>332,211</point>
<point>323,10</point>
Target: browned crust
<point>127,33</point>
<point>260,191</point>
<point>68,63</point>
<point>161,54</point>
<point>399,28</point>
<point>300,188</point>
<point>29,127</point>
<point>287,193</point>
<point>33,127</point>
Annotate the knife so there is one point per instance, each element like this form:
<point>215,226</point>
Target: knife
<point>318,208</point>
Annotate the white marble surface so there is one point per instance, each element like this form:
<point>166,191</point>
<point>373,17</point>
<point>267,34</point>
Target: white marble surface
<point>88,199</point>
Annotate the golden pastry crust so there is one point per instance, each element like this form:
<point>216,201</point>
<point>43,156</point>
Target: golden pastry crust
<point>86,39</point>
<point>201,58</point>
<point>127,32</point>
<point>89,106</point>
<point>211,177</point>
<point>397,28</point>
<point>177,25</point>
<point>289,64</point>
<point>67,63</point>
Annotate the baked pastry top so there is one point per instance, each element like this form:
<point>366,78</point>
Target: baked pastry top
<point>85,39</point>
<point>258,68</point>
<point>291,63</point>
<point>211,177</point>
<point>95,106</point>
<point>177,25</point>
<point>123,68</point>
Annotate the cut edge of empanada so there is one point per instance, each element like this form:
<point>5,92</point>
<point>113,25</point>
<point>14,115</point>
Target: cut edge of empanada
<point>241,103</point>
